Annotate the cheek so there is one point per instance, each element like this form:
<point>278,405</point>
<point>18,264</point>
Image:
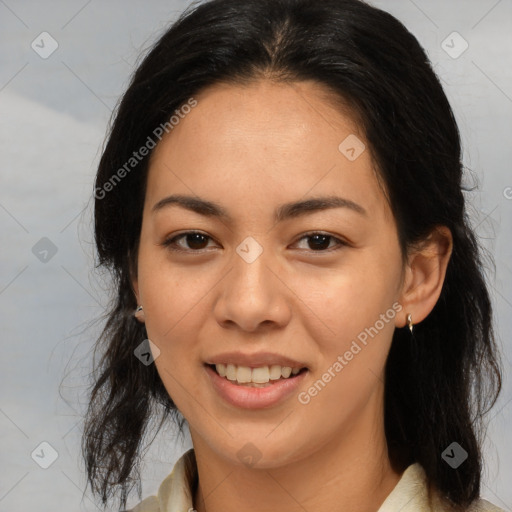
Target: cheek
<point>357,315</point>
<point>170,292</point>
<point>175,306</point>
<point>349,299</point>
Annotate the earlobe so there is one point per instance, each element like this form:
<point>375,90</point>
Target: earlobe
<point>139,314</point>
<point>425,275</point>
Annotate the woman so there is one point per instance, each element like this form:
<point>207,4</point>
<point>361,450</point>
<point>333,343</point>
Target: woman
<point>280,205</point>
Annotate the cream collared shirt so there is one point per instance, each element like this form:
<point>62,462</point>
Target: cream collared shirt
<point>409,494</point>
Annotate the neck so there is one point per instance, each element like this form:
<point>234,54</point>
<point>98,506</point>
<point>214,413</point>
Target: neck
<point>350,473</point>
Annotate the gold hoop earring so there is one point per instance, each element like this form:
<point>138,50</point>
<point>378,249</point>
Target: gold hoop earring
<point>409,322</point>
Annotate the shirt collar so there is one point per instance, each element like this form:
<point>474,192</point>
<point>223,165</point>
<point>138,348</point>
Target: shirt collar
<point>410,494</point>
<point>176,493</point>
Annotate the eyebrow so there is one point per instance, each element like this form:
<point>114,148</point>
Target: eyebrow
<point>282,212</point>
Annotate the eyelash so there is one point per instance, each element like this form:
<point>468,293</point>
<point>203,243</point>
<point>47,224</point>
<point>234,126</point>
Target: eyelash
<point>170,243</point>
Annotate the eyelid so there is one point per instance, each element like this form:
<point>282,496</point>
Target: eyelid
<point>340,242</point>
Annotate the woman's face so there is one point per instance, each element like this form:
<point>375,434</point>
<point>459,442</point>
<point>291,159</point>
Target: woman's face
<point>256,286</point>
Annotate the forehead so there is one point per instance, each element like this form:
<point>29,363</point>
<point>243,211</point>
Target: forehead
<point>297,112</point>
<point>265,141</point>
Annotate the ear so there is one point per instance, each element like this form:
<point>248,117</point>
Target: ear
<point>424,275</point>
<point>139,315</point>
<point>132,269</point>
<point>135,288</point>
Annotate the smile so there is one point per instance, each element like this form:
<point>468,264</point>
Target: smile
<point>255,395</point>
<point>255,377</point>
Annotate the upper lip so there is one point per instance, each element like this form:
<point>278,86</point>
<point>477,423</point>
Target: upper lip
<point>255,360</point>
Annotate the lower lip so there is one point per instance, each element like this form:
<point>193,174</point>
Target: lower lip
<point>254,398</point>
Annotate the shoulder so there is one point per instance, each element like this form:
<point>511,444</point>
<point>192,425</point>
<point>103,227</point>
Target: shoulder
<point>176,491</point>
<point>411,495</point>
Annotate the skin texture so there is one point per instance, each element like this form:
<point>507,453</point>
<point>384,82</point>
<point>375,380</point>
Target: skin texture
<point>252,148</point>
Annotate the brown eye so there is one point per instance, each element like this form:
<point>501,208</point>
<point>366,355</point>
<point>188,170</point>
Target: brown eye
<point>320,242</point>
<point>194,241</point>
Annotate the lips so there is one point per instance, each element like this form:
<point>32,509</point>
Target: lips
<point>248,388</point>
<point>254,396</point>
<point>255,360</point>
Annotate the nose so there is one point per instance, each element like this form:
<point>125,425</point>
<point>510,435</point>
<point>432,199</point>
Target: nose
<point>253,296</point>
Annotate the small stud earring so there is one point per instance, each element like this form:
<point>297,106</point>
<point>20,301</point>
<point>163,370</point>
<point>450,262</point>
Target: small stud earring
<point>409,322</point>
<point>139,313</point>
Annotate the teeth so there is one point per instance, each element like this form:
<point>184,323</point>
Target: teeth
<point>261,375</point>
<point>286,371</point>
<point>275,372</point>
<point>258,375</point>
<point>221,369</point>
<point>243,374</point>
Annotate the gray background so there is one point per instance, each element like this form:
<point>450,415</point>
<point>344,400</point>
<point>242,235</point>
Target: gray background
<point>53,117</point>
